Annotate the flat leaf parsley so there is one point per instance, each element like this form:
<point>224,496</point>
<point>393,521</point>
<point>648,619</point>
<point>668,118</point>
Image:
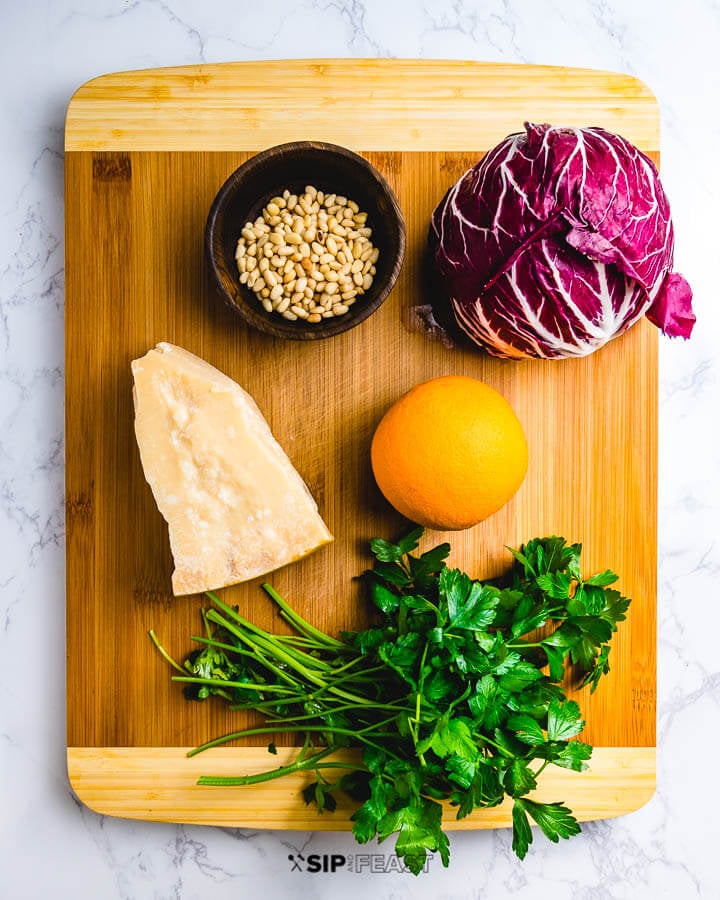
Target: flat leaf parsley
<point>453,694</point>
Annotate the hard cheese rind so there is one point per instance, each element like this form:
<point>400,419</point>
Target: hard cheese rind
<point>235,506</point>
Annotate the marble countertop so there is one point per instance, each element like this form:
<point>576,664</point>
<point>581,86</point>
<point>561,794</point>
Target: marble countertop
<point>52,846</point>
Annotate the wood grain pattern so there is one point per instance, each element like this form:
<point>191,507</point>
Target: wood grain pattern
<point>370,104</point>
<point>160,784</point>
<point>135,275</point>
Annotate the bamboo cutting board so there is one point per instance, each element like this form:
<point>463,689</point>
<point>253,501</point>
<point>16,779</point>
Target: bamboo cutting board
<point>145,154</point>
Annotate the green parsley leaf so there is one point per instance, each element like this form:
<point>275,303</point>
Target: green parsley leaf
<point>387,601</point>
<point>320,793</point>
<point>555,820</point>
<point>602,579</point>
<point>528,730</point>
<point>600,668</point>
<point>450,736</point>
<point>366,818</point>
<point>410,541</point>
<point>564,720</point>
<point>385,551</point>
<point>555,585</point>
<point>522,832</point>
<point>519,676</point>
<point>519,779</point>
<point>573,756</point>
<point>556,661</point>
<point>419,829</point>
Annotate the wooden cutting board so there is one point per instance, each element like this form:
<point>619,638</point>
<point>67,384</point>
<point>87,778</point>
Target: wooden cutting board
<point>145,154</point>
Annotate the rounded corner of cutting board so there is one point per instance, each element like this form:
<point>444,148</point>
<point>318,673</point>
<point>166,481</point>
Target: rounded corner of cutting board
<point>80,792</point>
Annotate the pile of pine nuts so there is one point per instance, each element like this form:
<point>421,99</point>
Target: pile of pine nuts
<point>309,256</point>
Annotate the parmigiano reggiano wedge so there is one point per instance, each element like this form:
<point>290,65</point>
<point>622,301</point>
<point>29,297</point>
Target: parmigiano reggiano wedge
<point>235,506</point>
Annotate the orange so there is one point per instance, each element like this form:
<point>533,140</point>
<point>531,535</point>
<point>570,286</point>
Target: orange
<point>449,453</point>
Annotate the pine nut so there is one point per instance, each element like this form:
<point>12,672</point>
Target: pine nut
<point>307,256</point>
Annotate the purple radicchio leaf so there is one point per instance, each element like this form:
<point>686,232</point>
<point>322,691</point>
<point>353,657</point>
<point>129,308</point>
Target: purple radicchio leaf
<point>558,240</point>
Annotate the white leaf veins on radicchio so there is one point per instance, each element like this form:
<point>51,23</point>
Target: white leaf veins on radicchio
<point>558,240</point>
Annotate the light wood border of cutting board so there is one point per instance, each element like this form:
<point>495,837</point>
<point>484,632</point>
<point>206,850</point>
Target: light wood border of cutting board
<point>199,108</point>
<point>159,784</point>
<point>187,108</point>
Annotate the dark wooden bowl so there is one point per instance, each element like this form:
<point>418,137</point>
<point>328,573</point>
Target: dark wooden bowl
<point>332,169</point>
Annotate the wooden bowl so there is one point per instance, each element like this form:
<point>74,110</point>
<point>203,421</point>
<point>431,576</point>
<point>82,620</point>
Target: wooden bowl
<point>329,168</point>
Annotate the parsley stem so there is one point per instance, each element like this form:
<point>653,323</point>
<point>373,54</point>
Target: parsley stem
<point>300,763</point>
<point>220,682</point>
<point>255,655</point>
<point>300,660</point>
<point>486,740</point>
<point>301,624</point>
<point>418,701</point>
<point>322,729</point>
<point>163,652</point>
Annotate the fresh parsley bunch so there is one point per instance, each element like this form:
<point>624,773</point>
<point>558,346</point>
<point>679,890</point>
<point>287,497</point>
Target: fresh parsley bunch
<point>452,695</point>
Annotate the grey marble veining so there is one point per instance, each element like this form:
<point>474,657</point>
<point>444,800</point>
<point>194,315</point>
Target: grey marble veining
<point>52,846</point>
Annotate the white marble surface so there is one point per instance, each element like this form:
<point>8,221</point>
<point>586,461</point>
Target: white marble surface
<point>51,846</point>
